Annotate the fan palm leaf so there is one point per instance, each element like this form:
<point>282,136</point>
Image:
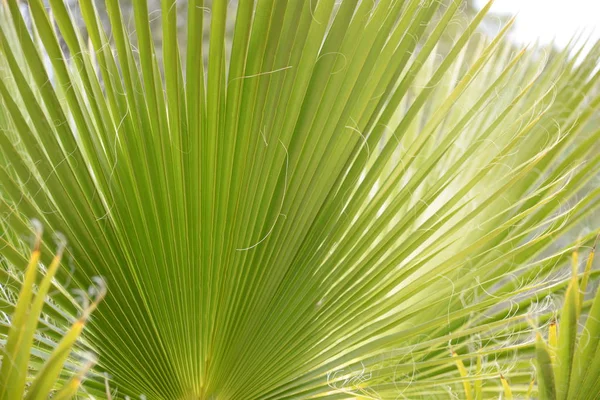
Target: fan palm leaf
<point>347,206</point>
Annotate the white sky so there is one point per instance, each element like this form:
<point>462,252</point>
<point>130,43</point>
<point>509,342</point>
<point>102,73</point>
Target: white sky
<point>551,19</point>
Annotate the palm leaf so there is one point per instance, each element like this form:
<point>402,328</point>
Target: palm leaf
<point>17,357</point>
<point>319,212</point>
<point>570,373</point>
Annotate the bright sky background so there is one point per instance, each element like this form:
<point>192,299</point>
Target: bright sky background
<point>550,19</point>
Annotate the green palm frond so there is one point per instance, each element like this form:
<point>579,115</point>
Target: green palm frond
<point>342,205</point>
<point>19,354</point>
<point>565,366</point>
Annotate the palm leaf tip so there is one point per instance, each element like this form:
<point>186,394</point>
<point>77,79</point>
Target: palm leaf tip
<point>30,367</point>
<point>300,199</point>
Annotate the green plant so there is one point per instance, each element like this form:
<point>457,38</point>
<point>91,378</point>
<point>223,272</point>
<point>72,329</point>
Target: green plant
<point>324,213</point>
<point>566,365</point>
<point>48,360</point>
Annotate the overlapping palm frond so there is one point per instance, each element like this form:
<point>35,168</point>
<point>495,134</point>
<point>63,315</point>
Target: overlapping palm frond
<point>46,357</point>
<point>565,365</point>
<point>341,208</point>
